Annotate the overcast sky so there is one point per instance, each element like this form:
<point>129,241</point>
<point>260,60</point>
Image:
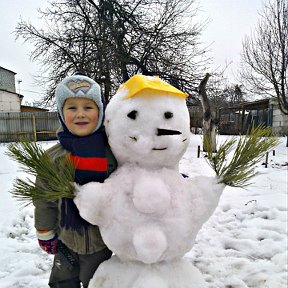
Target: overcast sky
<point>230,21</point>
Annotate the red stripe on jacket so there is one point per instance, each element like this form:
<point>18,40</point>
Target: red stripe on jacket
<point>89,163</point>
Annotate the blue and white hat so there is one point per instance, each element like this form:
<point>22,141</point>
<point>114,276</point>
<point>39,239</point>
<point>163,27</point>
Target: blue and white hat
<point>79,86</point>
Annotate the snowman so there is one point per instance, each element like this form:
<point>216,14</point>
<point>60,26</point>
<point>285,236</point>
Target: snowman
<point>147,212</point>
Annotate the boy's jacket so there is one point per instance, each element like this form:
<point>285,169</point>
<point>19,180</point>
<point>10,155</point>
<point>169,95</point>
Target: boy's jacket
<point>47,214</point>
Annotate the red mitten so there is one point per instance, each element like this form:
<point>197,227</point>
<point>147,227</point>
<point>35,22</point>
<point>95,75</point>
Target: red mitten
<point>47,241</point>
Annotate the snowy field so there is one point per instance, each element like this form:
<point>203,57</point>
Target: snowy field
<point>244,244</point>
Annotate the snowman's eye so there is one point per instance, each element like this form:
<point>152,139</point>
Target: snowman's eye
<point>132,115</point>
<point>168,115</point>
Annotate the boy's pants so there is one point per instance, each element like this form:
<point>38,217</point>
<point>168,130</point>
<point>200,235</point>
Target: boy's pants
<point>64,275</point>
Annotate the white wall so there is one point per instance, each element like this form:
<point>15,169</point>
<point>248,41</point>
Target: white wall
<point>9,102</point>
<point>280,120</point>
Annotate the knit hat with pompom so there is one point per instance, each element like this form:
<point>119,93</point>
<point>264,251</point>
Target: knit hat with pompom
<point>79,85</point>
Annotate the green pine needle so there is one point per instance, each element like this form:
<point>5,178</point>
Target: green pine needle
<point>250,149</point>
<point>54,179</point>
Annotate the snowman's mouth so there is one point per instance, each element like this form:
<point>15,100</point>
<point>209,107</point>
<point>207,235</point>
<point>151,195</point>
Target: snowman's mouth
<point>159,149</point>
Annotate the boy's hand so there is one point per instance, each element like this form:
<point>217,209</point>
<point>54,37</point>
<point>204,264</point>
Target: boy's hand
<point>47,241</point>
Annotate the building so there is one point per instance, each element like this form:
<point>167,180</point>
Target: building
<point>279,120</point>
<point>19,121</point>
<point>10,101</point>
<point>241,117</point>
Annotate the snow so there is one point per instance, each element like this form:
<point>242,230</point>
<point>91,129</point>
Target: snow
<point>243,244</point>
<point>157,275</point>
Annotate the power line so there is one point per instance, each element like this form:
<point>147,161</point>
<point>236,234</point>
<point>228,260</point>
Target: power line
<point>32,91</point>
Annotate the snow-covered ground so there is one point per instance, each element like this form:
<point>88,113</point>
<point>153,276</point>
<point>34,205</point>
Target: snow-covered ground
<point>244,244</point>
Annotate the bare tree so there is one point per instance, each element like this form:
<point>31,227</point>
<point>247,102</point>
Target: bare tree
<point>230,95</point>
<point>214,92</point>
<point>265,54</point>
<point>112,40</point>
<point>209,121</point>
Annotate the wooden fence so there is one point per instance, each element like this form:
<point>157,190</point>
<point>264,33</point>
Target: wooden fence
<point>196,117</point>
<point>35,126</point>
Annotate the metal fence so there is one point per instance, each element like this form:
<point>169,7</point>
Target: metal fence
<point>35,126</point>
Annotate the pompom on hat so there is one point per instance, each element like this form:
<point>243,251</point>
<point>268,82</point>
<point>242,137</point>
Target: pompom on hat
<point>79,85</point>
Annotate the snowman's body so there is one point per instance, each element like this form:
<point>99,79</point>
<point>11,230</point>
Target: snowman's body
<point>146,210</point>
<point>138,221</point>
<point>172,274</point>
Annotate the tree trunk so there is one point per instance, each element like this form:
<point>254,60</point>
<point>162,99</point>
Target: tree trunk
<point>209,124</point>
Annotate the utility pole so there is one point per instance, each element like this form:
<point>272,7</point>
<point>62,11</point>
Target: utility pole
<point>19,81</point>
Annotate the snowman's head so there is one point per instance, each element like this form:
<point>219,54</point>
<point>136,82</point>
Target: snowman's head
<point>147,122</point>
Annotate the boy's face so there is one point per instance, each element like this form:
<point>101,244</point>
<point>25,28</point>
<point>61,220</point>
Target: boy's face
<point>80,115</point>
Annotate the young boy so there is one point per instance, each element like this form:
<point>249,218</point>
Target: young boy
<point>58,224</point>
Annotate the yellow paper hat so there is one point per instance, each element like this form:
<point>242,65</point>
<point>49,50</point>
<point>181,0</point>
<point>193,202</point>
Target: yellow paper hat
<point>140,84</point>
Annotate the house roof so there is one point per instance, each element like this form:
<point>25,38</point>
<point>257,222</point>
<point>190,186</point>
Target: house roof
<point>32,108</point>
<point>7,70</point>
<point>258,104</point>
<point>19,95</point>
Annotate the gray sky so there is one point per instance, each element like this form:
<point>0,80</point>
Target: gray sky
<point>14,54</point>
<point>230,20</point>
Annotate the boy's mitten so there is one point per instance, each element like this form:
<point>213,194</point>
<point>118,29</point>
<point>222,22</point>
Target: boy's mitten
<point>47,241</point>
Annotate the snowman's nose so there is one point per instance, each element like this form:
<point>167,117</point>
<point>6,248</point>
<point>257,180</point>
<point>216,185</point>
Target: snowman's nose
<point>163,132</point>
